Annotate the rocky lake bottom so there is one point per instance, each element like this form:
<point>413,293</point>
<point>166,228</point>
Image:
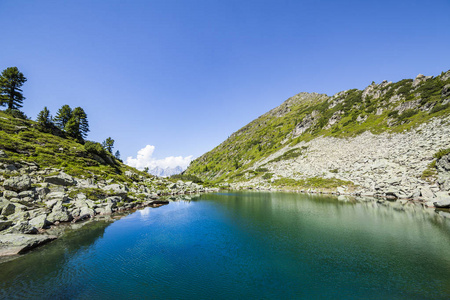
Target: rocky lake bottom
<point>244,245</point>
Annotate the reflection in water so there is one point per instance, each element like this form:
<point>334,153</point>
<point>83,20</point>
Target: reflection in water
<point>246,245</point>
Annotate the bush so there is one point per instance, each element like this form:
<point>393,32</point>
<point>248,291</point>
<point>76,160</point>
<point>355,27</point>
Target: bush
<point>293,153</point>
<point>267,176</point>
<point>183,177</point>
<point>95,148</point>
<point>439,107</point>
<point>16,113</point>
<point>441,153</point>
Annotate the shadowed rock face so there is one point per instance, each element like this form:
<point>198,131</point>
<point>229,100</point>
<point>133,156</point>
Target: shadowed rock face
<point>12,244</point>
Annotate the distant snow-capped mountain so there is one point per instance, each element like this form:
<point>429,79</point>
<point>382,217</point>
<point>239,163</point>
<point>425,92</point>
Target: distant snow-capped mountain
<point>158,171</point>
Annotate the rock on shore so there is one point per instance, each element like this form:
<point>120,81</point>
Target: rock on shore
<point>32,200</point>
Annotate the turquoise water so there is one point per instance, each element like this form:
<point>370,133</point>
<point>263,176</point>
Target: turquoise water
<point>244,245</point>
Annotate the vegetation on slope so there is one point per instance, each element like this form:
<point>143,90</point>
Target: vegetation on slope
<point>384,107</point>
<point>24,140</point>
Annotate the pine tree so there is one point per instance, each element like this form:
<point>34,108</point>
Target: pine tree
<point>117,154</point>
<point>63,116</point>
<point>10,93</point>
<point>108,144</point>
<point>44,118</point>
<point>77,126</point>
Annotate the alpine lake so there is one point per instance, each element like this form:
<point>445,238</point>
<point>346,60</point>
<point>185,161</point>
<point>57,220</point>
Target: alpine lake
<point>245,245</point>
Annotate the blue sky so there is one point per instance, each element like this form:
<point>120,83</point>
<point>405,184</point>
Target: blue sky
<point>183,75</point>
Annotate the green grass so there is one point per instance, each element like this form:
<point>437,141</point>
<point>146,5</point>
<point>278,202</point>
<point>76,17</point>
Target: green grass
<point>31,144</point>
<point>314,182</point>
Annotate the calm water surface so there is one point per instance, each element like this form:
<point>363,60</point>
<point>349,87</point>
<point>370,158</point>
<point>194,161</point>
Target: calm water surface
<point>244,245</point>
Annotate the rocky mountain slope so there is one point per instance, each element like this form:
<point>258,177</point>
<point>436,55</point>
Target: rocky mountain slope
<point>390,140</point>
<point>165,172</point>
<point>48,179</point>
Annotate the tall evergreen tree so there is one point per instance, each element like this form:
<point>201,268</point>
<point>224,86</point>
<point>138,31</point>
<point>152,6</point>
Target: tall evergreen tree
<point>44,118</point>
<point>77,126</point>
<point>63,116</point>
<point>108,144</point>
<point>117,154</point>
<point>11,95</point>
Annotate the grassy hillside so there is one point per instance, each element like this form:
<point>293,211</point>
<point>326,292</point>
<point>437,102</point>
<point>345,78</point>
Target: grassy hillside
<point>384,107</point>
<point>24,141</point>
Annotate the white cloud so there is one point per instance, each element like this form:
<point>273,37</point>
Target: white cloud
<point>145,159</point>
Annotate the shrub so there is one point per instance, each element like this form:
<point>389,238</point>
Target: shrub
<point>95,148</point>
<point>183,177</point>
<point>293,153</point>
<point>267,176</point>
<point>441,153</point>
<point>439,107</point>
<point>16,113</point>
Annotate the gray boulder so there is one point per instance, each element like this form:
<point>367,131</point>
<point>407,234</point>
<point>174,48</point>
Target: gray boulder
<point>42,191</point>
<point>58,216</point>
<point>116,189</point>
<point>426,192</point>
<point>61,179</point>
<point>27,194</point>
<point>7,208</point>
<point>443,202</point>
<point>39,221</point>
<point>113,200</point>
<point>10,194</point>
<point>4,224</point>
<point>87,211</point>
<point>11,244</point>
<point>22,227</point>
<point>18,184</point>
<point>60,196</point>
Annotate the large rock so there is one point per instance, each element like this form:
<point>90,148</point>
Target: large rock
<point>7,208</point>
<point>39,221</point>
<point>22,227</point>
<point>18,184</point>
<point>10,194</point>
<point>443,201</point>
<point>87,211</point>
<point>59,213</point>
<point>11,244</point>
<point>5,224</point>
<point>426,192</point>
<point>61,179</point>
<point>58,216</point>
<point>104,209</point>
<point>116,189</point>
<point>59,196</point>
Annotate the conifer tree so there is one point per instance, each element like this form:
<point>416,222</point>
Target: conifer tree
<point>10,93</point>
<point>108,144</point>
<point>44,118</point>
<point>77,126</point>
<point>63,116</point>
<point>117,154</point>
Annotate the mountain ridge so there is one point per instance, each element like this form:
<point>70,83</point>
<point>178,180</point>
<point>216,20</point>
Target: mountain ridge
<point>255,155</point>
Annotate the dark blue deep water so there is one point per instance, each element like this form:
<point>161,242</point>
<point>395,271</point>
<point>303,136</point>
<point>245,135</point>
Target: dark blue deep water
<point>244,245</point>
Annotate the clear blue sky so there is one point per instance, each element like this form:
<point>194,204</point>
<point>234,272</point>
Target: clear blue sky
<point>183,75</point>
